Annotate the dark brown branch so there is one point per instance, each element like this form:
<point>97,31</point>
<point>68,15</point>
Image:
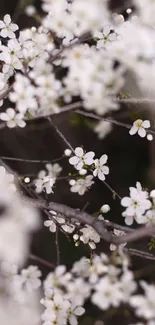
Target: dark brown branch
<point>98,225</point>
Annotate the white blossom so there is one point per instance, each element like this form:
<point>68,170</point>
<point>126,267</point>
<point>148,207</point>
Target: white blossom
<point>66,226</point>
<point>136,204</point>
<point>144,304</point>
<point>80,159</point>
<point>82,185</point>
<point>53,170</point>
<point>100,169</point>
<point>107,294</point>
<point>103,129</point>
<point>30,278</point>
<point>12,119</point>
<point>89,236</point>
<point>44,182</point>
<point>139,127</point>
<point>8,29</point>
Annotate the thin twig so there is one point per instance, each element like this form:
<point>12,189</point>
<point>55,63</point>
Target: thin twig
<point>82,38</point>
<point>64,109</point>
<point>60,134</point>
<point>112,190</point>
<point>57,245</point>
<point>42,261</point>
<point>31,160</point>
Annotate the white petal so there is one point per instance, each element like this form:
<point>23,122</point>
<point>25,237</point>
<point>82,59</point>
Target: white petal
<point>4,117</point>
<point>126,201</point>
<point>2,25</point>
<point>74,160</point>
<point>73,320</point>
<point>10,112</point>
<point>4,33</point>
<point>142,132</point>
<point>103,159</point>
<point>133,130</point>
<point>14,27</point>
<point>101,176</point>
<point>105,170</point>
<point>21,124</point>
<point>79,311</point>
<point>11,124</point>
<point>95,172</point>
<point>79,165</point>
<point>79,152</point>
<point>129,220</point>
<point>146,124</point>
<point>7,19</point>
<point>106,30</point>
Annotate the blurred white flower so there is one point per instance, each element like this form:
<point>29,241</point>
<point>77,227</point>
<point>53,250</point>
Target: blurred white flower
<point>82,185</point>
<point>12,119</point>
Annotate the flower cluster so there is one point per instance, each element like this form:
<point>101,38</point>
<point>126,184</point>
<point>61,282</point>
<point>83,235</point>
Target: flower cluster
<point>83,161</point>
<point>60,221</point>
<point>65,292</point>
<point>46,179</point>
<point>21,292</point>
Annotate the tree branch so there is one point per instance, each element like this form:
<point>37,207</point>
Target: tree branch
<point>99,226</point>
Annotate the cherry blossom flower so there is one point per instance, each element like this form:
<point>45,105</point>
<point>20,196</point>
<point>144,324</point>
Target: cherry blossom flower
<point>80,159</point>
<point>139,127</point>
<point>74,311</point>
<point>100,169</point>
<point>65,225</point>
<point>29,278</point>
<point>57,278</point>
<point>144,304</point>
<point>54,170</point>
<point>105,37</point>
<point>127,285</point>
<point>103,129</point>
<point>136,204</point>
<point>81,185</point>
<point>7,27</point>
<point>23,94</point>
<point>107,294</point>
<point>44,182</point>
<point>12,119</point>
<point>11,55</point>
<point>78,291</point>
<point>89,236</point>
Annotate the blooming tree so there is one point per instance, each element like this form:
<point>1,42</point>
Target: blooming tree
<point>76,60</point>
